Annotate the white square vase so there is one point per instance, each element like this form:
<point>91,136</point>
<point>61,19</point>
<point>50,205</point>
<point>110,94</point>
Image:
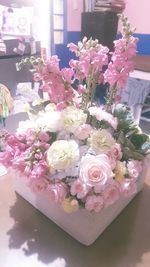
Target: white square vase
<point>81,225</point>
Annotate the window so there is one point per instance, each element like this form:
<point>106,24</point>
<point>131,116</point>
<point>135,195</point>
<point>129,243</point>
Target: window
<point>59,21</point>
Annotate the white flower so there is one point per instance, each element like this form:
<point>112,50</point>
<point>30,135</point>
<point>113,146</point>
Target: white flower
<point>72,118</point>
<point>101,141</point>
<point>50,121</point>
<point>62,154</point>
<point>25,125</point>
<point>50,106</point>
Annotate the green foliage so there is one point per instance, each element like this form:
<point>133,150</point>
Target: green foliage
<point>125,119</point>
<point>134,144</point>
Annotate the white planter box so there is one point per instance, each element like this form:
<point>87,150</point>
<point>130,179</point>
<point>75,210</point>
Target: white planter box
<point>82,225</point>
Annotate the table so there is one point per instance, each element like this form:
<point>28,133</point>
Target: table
<point>28,238</point>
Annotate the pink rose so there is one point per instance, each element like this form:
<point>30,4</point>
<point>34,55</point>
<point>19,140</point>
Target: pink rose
<point>94,203</point>
<point>57,192</point>
<point>95,170</point>
<point>111,194</point>
<point>128,187</point>
<point>83,131</point>
<point>79,189</point>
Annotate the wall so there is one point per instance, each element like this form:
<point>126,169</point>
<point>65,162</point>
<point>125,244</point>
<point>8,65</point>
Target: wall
<point>73,23</point>
<point>138,13</point>
<point>74,7</point>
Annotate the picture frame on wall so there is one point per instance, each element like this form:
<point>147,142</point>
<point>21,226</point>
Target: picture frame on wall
<point>15,21</point>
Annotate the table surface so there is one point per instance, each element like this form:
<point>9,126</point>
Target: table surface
<point>29,239</point>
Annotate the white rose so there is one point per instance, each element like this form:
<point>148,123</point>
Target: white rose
<point>62,154</point>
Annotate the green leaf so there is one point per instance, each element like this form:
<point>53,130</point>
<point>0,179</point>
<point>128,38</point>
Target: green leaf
<point>121,138</point>
<point>138,156</point>
<point>125,119</point>
<point>139,139</point>
<point>129,144</point>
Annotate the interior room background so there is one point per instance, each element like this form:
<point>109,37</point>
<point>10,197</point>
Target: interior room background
<point>54,24</point>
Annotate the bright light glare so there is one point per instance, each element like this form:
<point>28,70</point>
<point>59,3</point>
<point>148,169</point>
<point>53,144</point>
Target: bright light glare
<point>44,23</point>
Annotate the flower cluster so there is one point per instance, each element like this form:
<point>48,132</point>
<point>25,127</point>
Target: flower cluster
<point>80,154</point>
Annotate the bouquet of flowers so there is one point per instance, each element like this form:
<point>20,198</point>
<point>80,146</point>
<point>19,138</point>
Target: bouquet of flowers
<point>77,153</point>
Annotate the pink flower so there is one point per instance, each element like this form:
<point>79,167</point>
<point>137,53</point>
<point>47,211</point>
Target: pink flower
<point>116,151</point>
<point>128,187</point>
<point>79,189</point>
<point>39,185</point>
<point>134,168</point>
<point>53,64</point>
<point>83,131</point>
<point>72,47</point>
<point>41,167</point>
<point>44,137</point>
<point>67,73</point>
<point>95,170</point>
<point>19,164</point>
<point>101,114</point>
<point>61,106</point>
<point>111,194</point>
<point>81,89</point>
<point>37,77</point>
<point>57,192</point>
<point>27,170</point>
<point>94,203</point>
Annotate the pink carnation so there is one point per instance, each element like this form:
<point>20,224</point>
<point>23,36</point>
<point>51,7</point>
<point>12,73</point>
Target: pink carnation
<point>101,114</point>
<point>128,187</point>
<point>83,131</point>
<point>39,185</point>
<point>79,189</point>
<point>57,192</point>
<point>111,194</point>
<point>94,203</point>
<point>134,168</point>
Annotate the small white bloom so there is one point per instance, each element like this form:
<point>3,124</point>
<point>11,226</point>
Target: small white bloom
<point>62,154</point>
<point>101,141</point>
<point>25,125</point>
<point>72,118</point>
<point>50,121</point>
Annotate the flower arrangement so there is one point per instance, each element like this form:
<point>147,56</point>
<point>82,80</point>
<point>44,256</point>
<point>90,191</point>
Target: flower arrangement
<point>78,153</point>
